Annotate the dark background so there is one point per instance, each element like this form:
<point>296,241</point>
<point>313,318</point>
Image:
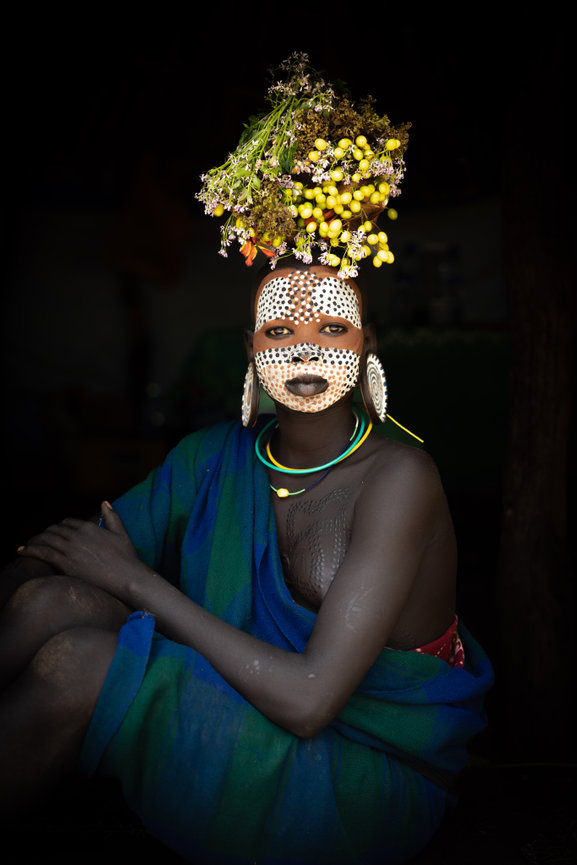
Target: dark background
<point>121,324</point>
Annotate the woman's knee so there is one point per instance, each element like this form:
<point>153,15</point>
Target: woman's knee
<point>64,602</point>
<point>44,608</point>
<point>71,669</point>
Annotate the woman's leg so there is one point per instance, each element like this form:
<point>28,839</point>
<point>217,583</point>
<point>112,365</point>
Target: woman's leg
<point>47,606</point>
<point>45,713</point>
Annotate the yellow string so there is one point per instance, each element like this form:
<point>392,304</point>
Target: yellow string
<point>390,417</point>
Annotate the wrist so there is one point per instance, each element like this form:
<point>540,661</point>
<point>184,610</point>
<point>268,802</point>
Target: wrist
<point>140,584</point>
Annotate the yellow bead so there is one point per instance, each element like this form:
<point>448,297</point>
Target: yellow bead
<point>345,143</point>
<point>331,201</point>
<point>392,144</point>
<point>323,229</point>
<point>377,262</point>
<point>384,187</point>
<point>346,236</point>
<point>372,239</point>
<point>392,213</point>
<point>339,152</point>
<point>282,493</point>
<point>364,165</point>
<point>346,197</point>
<point>376,198</point>
<point>337,175</point>
<point>318,213</point>
<point>311,227</point>
<point>305,210</point>
<point>314,156</point>
<point>309,193</point>
<point>346,214</point>
<point>356,177</point>
<point>367,226</point>
<point>357,153</point>
<point>383,237</point>
<point>355,206</point>
<point>218,210</point>
<point>320,144</point>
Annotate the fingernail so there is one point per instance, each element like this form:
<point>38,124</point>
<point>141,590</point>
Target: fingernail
<point>108,505</point>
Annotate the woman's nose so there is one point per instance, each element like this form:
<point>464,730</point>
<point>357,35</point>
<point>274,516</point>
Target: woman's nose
<point>305,353</point>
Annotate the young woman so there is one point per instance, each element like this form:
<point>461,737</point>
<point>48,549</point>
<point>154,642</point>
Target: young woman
<point>292,686</point>
<point>260,640</point>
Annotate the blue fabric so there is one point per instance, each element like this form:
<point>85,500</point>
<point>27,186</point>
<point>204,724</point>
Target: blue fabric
<point>211,776</point>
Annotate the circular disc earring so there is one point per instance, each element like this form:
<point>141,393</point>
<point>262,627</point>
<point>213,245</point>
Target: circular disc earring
<point>373,384</point>
<point>250,396</point>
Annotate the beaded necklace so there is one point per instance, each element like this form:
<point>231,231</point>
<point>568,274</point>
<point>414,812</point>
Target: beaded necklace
<point>359,435</point>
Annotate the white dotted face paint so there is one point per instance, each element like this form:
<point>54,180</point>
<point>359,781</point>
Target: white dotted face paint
<point>303,295</point>
<point>308,339</point>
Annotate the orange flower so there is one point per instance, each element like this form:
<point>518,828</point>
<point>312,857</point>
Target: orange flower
<point>250,249</point>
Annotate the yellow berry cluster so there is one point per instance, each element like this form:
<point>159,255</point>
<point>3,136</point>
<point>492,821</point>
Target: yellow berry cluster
<point>327,207</point>
<point>360,150</point>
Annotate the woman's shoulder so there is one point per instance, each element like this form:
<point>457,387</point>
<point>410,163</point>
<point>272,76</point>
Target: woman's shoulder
<point>394,471</point>
<point>393,457</point>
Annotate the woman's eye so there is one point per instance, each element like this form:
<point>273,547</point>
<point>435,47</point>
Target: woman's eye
<point>333,328</point>
<point>279,330</point>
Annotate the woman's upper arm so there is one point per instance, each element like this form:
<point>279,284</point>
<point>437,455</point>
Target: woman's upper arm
<point>395,519</point>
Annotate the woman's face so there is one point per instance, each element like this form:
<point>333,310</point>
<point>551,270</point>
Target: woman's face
<point>308,337</point>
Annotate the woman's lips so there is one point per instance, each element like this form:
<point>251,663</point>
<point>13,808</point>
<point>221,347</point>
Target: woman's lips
<point>306,385</point>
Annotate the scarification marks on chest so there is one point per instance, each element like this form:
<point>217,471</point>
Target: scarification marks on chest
<point>317,550</point>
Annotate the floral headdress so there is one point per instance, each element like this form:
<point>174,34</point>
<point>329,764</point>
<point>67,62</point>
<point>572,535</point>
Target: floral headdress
<point>311,176</point>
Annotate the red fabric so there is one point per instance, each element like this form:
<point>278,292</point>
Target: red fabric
<point>448,647</point>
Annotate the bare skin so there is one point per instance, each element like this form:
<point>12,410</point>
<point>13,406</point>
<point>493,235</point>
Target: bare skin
<point>370,548</point>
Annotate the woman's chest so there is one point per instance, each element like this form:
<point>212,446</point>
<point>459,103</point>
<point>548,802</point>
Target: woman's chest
<point>313,536</point>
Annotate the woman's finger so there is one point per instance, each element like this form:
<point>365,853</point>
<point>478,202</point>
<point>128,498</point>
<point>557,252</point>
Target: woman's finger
<point>57,530</point>
<point>48,554</point>
<point>72,523</point>
<point>111,519</point>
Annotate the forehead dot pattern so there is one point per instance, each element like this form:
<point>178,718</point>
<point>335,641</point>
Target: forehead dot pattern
<point>300,296</point>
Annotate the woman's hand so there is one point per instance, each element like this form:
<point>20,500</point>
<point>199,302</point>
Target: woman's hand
<point>101,554</point>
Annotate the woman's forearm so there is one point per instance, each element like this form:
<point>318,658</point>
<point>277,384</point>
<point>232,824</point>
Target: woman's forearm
<point>281,684</point>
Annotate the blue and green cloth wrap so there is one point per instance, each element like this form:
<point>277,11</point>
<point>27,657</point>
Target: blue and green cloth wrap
<point>207,773</point>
